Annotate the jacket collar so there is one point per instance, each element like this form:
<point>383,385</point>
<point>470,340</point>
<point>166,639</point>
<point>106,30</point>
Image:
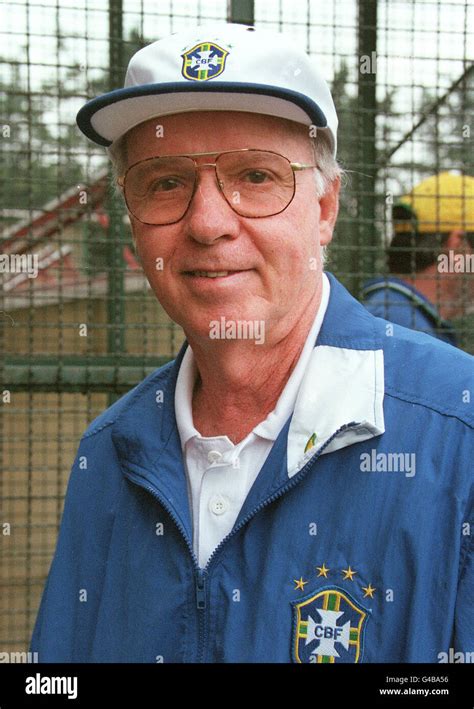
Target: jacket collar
<point>343,384</point>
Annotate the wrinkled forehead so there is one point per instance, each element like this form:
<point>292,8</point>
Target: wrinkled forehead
<point>200,131</point>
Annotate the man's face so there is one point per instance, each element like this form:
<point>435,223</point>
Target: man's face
<point>274,261</point>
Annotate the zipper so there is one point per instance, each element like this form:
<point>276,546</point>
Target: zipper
<point>201,574</point>
<point>201,600</point>
<point>201,605</point>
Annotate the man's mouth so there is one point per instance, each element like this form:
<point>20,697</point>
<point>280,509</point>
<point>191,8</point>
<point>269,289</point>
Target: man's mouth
<point>210,274</point>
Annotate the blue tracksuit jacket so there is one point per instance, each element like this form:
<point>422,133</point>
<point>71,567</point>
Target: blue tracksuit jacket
<point>401,303</point>
<point>353,545</point>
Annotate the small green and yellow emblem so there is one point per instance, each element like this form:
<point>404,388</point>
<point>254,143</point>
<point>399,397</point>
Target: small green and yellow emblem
<point>311,442</point>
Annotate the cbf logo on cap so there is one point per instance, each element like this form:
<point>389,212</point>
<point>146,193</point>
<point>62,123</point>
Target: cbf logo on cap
<point>204,61</point>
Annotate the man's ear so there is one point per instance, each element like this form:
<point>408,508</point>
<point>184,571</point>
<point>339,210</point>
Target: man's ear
<point>135,249</point>
<point>329,208</point>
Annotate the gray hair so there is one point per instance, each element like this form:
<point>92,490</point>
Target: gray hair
<point>117,154</point>
<point>328,170</point>
<point>328,167</point>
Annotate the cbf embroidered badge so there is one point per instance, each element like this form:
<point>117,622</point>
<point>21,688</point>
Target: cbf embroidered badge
<point>328,627</point>
<point>204,61</point>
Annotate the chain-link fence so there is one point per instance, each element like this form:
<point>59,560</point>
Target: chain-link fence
<point>78,323</point>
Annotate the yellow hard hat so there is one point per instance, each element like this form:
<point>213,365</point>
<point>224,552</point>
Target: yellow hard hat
<point>440,203</point>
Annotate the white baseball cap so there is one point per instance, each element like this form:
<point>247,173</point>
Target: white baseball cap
<point>214,68</point>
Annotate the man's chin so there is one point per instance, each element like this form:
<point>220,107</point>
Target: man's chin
<point>224,328</point>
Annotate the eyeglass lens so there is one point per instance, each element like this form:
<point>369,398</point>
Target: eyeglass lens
<point>254,183</point>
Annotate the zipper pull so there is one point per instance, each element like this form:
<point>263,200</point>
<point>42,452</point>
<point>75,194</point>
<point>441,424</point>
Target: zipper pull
<point>201,589</point>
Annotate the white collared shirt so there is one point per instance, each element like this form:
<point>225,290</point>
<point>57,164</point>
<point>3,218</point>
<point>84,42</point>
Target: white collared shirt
<point>220,473</point>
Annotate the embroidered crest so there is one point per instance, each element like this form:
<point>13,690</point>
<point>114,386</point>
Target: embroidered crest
<point>328,627</point>
<point>204,61</point>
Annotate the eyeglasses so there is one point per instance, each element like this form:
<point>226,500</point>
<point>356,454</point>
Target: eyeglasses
<point>254,183</point>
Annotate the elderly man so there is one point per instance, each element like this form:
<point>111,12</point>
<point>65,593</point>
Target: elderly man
<point>294,487</point>
<point>428,258</point>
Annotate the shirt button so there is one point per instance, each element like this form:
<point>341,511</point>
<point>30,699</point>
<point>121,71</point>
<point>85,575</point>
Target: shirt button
<point>214,456</point>
<point>218,505</point>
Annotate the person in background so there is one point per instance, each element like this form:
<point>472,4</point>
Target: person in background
<point>433,233</point>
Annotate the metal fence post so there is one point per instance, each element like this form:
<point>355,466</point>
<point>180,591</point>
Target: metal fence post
<point>366,175</point>
<point>241,11</point>
<point>116,276</point>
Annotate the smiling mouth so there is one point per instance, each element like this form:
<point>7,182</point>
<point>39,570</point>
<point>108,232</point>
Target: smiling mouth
<point>211,274</point>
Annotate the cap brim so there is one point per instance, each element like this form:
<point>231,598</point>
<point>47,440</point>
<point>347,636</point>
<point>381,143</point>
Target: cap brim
<point>103,121</point>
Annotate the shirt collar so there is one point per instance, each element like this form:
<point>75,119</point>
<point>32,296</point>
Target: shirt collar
<point>272,425</point>
<point>183,397</point>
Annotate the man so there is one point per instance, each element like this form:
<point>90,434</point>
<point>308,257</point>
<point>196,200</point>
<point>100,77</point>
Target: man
<point>294,486</point>
<point>433,228</point>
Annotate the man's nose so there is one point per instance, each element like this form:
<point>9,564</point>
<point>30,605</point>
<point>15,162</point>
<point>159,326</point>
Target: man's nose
<point>209,216</point>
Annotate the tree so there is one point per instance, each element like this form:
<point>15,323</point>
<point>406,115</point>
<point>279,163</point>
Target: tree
<point>345,250</point>
<point>36,163</point>
<point>41,159</point>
